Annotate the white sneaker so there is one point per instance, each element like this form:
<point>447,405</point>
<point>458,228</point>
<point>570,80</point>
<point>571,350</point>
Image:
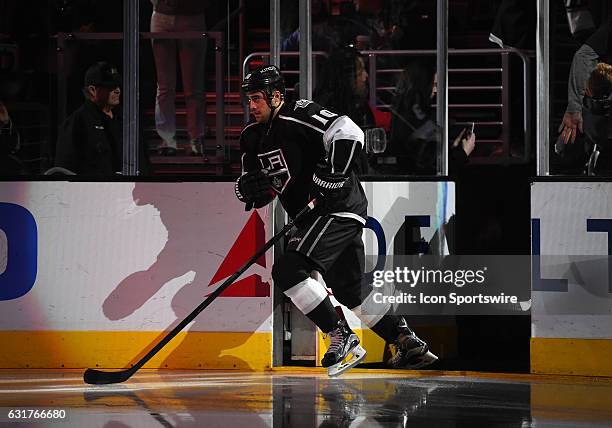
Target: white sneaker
<point>196,147</point>
<point>167,148</point>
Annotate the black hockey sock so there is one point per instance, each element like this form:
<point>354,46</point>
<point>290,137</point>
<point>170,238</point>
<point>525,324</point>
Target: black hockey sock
<point>387,327</point>
<point>324,316</point>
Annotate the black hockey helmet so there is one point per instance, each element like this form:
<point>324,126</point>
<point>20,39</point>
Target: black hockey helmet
<point>266,79</point>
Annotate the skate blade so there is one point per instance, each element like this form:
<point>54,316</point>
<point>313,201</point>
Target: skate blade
<point>357,354</point>
<point>421,361</point>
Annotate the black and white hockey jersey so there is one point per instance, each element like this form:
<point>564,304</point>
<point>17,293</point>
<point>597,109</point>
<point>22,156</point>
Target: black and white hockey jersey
<point>300,136</point>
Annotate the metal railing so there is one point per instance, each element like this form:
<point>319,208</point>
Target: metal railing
<point>217,37</point>
<point>504,105</point>
<point>525,56</point>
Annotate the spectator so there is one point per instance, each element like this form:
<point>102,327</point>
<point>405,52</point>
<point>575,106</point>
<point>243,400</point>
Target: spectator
<point>410,24</point>
<point>10,138</point>
<point>414,133</point>
<point>10,142</point>
<point>90,140</point>
<point>515,25</point>
<point>324,36</point>
<point>332,32</point>
<point>172,16</point>
<point>579,19</point>
<point>598,120</point>
<point>598,48</point>
<point>343,86</point>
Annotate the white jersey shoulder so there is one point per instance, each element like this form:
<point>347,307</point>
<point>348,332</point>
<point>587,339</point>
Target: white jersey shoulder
<point>310,114</point>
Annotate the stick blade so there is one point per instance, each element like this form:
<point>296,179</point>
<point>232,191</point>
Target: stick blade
<point>99,377</point>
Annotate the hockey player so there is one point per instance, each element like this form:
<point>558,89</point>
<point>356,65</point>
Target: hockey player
<point>298,151</point>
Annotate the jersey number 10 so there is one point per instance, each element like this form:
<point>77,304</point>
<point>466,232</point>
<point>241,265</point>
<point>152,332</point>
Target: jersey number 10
<point>328,114</point>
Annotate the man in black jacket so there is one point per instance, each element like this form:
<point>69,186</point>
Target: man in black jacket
<point>597,105</point>
<point>597,49</point>
<point>10,142</point>
<point>90,141</point>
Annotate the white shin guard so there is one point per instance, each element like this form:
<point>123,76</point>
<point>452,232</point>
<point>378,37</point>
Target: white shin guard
<point>307,295</point>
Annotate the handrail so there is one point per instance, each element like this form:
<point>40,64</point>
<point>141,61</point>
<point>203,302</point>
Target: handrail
<point>525,55</point>
<point>218,37</point>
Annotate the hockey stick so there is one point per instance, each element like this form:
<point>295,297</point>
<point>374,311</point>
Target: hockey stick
<point>99,377</point>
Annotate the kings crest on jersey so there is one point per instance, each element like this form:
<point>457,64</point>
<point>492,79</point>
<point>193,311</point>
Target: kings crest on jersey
<point>299,137</point>
<point>274,162</point>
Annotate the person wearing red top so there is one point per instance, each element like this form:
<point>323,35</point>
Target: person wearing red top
<point>343,86</point>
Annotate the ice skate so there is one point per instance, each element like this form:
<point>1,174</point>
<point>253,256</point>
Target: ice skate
<point>410,351</point>
<point>344,343</point>
<point>344,402</point>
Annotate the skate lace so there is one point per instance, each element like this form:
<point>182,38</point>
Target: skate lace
<point>336,340</point>
<point>410,341</point>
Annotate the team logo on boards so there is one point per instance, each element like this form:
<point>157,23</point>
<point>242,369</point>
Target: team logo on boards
<point>18,251</point>
<point>251,238</point>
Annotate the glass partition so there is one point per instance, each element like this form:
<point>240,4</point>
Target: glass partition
<point>188,91</point>
<point>395,43</point>
<point>380,55</point>
<point>45,50</point>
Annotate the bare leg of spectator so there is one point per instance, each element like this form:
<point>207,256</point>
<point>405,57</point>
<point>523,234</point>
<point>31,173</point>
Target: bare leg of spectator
<point>164,52</point>
<point>192,55</point>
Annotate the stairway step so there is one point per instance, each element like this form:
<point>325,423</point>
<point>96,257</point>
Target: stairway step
<point>181,131</point>
<point>180,112</point>
<point>185,160</point>
<point>231,97</point>
<point>259,30</point>
<point>153,143</point>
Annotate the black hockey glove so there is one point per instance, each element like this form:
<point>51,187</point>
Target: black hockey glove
<point>254,188</point>
<point>326,186</point>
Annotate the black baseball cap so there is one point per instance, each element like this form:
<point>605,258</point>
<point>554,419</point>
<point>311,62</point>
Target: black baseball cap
<point>102,74</point>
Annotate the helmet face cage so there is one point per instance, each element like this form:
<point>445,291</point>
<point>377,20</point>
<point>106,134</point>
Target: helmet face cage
<point>267,80</point>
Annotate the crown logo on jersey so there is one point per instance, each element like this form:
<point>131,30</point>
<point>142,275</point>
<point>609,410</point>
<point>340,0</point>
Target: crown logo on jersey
<point>301,104</point>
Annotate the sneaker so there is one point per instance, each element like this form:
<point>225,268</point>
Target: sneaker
<point>196,147</point>
<point>344,343</point>
<point>410,352</point>
<point>167,148</point>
